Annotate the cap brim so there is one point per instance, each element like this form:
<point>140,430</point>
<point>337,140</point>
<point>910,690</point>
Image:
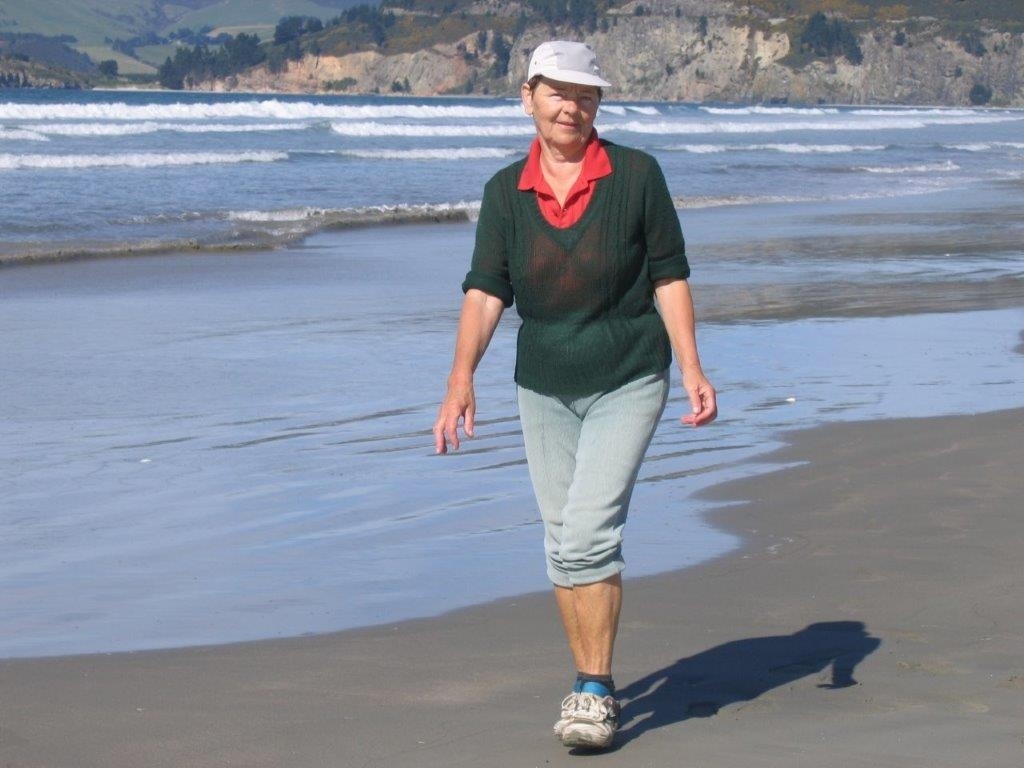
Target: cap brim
<point>574,77</point>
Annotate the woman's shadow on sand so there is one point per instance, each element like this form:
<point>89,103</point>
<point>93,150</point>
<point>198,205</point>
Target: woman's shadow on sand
<point>742,670</point>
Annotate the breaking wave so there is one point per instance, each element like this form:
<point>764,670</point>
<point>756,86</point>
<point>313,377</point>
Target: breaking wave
<point>363,128</point>
<point>948,165</point>
<point>461,153</point>
<point>835,123</point>
<point>796,149</point>
<point>20,134</point>
<point>130,129</point>
<point>9,162</point>
<point>762,110</point>
<point>275,109</point>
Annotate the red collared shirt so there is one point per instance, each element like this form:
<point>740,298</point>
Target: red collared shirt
<point>596,165</point>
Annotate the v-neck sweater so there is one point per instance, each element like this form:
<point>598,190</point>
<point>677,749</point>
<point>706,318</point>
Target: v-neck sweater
<point>596,165</point>
<point>585,293</point>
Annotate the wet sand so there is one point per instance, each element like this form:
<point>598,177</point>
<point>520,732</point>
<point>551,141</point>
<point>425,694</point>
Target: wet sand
<point>872,618</point>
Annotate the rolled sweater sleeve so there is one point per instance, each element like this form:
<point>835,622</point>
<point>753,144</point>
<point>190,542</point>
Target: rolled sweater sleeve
<point>489,270</point>
<point>666,250</point>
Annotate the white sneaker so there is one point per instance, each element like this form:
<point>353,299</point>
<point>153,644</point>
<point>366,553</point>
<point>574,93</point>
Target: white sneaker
<point>593,723</point>
<point>568,708</point>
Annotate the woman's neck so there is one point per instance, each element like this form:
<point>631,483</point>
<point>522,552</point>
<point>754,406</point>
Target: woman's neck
<point>561,166</point>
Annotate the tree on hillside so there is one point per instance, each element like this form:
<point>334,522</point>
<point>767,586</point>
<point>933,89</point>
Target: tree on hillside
<point>377,22</point>
<point>241,52</point>
<point>293,27</point>
<point>193,65</point>
<point>290,30</point>
<point>825,38</point>
<point>502,53</point>
<point>980,94</point>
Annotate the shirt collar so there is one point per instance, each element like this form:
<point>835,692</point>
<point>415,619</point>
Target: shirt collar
<point>596,165</point>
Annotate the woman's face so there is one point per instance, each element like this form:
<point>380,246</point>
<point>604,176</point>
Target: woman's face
<point>563,113</point>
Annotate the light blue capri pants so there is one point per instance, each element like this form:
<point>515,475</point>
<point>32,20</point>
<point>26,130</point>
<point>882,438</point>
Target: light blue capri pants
<point>584,455</point>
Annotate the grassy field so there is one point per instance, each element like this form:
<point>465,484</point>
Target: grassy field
<point>126,65</point>
<point>234,16</point>
<point>92,22</point>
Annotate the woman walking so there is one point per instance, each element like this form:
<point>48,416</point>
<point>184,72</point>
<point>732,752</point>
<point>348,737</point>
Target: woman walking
<point>583,237</point>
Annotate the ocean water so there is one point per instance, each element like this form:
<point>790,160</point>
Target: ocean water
<point>229,439</point>
<point>118,171</point>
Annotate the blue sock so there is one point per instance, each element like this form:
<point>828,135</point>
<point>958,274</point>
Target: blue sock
<point>599,685</point>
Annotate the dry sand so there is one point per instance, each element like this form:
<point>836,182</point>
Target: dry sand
<point>874,618</point>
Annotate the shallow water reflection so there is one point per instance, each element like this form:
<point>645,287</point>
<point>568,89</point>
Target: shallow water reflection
<point>224,447</point>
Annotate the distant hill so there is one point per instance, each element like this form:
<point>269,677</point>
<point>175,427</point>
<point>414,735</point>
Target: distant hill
<point>798,51</point>
<point>146,25</point>
<point>761,51</point>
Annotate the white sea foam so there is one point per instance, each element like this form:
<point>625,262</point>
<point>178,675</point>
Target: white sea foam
<point>716,201</point>
<point>918,111</point>
<point>426,130</point>
<point>130,129</point>
<point>20,134</point>
<point>713,201</point>
<point>622,110</point>
<point>831,122</point>
<point>698,127</point>
<point>462,153</point>
<point>315,217</point>
<point>288,214</point>
<point>948,165</point>
<point>761,110</point>
<point>265,109</point>
<point>796,149</point>
<point>985,146</point>
<point>135,160</point>
<point>981,146</point>
<point>700,149</point>
<point>643,110</point>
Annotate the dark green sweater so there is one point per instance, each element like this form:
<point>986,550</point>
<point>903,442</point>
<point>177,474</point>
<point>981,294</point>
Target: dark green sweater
<point>585,293</point>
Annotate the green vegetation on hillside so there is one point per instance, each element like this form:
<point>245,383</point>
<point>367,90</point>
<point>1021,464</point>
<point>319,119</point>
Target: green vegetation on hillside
<point>972,11</point>
<point>147,25</point>
<point>197,40</point>
<point>90,21</point>
<point>192,65</point>
<point>17,71</point>
<point>54,51</point>
<point>259,18</point>
<point>367,28</point>
<point>359,28</point>
<point>825,38</point>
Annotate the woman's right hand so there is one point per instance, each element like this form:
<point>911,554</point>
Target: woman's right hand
<point>477,321</point>
<point>459,404</point>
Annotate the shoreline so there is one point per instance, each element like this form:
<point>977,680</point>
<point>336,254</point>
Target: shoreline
<point>313,221</point>
<point>885,550</point>
<point>91,622</point>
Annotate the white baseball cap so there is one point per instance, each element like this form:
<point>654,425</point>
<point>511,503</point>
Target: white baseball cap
<point>566,62</point>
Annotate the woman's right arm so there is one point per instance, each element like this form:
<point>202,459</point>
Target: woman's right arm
<point>477,321</point>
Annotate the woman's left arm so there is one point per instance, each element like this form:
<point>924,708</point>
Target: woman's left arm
<point>676,307</point>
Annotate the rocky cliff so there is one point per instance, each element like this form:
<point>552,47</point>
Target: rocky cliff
<point>692,50</point>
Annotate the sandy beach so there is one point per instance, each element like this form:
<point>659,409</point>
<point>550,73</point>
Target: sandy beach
<point>871,619</point>
<point>206,452</point>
